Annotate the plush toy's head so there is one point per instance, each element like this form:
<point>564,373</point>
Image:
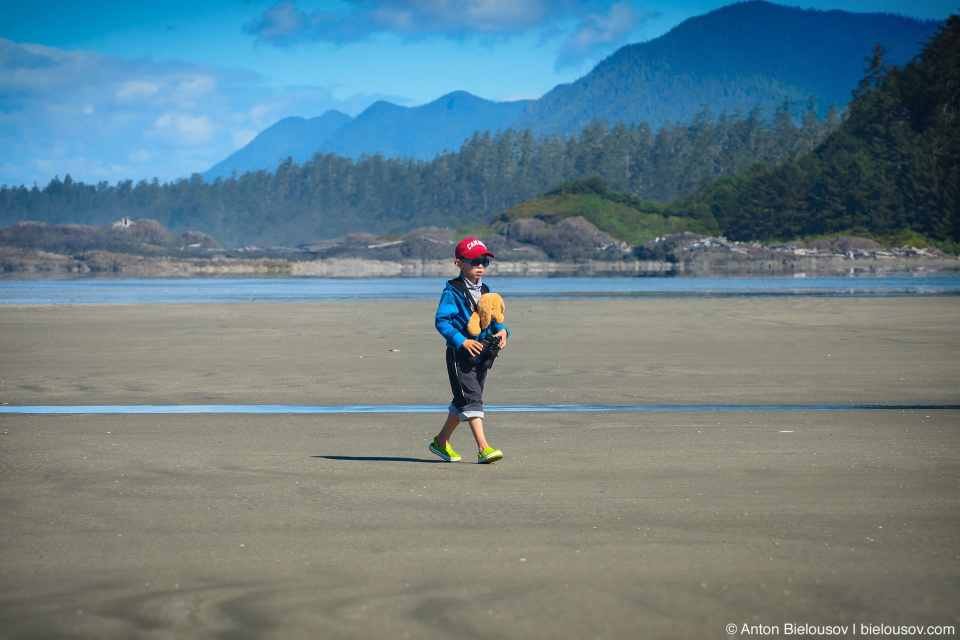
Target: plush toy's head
<point>489,307</point>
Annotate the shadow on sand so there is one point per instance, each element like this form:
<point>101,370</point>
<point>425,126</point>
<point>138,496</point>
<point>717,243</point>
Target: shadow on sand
<point>378,459</point>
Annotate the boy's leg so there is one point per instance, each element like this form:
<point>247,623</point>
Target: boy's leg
<point>476,425</point>
<point>466,384</point>
<point>487,453</point>
<point>446,432</point>
<point>441,444</point>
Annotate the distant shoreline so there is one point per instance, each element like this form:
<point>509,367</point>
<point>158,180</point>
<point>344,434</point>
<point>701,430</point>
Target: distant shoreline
<point>25,265</point>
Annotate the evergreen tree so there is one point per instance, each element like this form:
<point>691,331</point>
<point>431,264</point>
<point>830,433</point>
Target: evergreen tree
<point>329,195</point>
<point>892,165</point>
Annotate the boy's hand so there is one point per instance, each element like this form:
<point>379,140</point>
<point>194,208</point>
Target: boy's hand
<point>502,334</point>
<point>472,346</point>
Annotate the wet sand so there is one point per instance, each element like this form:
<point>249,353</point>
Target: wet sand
<point>593,525</point>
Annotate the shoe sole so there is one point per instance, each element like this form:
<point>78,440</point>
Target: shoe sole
<point>443,455</point>
<point>493,457</point>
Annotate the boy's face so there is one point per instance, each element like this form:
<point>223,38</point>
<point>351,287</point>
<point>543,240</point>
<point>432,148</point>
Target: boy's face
<point>473,269</point>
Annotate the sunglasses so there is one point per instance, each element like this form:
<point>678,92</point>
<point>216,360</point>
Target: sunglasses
<point>476,262</point>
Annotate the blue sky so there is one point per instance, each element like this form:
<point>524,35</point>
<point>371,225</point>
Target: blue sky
<point>109,91</point>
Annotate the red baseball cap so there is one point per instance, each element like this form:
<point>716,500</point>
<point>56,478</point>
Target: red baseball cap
<point>470,248</point>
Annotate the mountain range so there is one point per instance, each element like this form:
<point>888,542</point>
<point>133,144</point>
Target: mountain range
<point>890,169</point>
<point>736,57</point>
<point>745,55</point>
<point>421,132</point>
<point>393,131</point>
<point>294,137</point>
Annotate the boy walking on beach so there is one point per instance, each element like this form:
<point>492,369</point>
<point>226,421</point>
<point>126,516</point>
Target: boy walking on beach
<point>457,303</point>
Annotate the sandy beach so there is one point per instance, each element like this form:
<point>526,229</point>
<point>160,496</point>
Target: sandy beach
<point>610,525</point>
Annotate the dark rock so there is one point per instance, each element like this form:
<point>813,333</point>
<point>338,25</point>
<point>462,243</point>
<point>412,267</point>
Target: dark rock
<point>507,249</point>
<point>573,238</point>
<point>844,244</point>
<point>578,231</point>
<point>428,243</point>
<point>666,248</point>
<point>196,239</point>
<point>524,230</point>
<point>359,240</point>
<point>431,234</point>
<point>61,238</point>
<point>144,231</point>
<point>143,238</point>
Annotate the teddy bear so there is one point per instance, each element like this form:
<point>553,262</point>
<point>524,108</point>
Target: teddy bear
<point>489,307</point>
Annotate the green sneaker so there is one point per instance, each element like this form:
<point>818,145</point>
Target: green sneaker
<point>445,452</point>
<point>489,455</point>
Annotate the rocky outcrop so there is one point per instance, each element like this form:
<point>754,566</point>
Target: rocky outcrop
<point>140,237</point>
<point>525,247</point>
<point>195,240</point>
<point>15,263</point>
<point>574,238</point>
<point>693,254</point>
<point>426,243</point>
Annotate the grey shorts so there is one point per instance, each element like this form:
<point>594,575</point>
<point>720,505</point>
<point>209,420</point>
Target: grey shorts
<point>466,383</point>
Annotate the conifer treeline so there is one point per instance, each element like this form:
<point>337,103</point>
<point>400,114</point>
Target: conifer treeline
<point>892,166</point>
<point>330,195</point>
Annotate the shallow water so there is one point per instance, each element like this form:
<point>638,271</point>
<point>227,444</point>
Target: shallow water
<point>200,290</point>
<point>422,408</point>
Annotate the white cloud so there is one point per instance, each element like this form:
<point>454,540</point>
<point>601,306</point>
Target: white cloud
<point>93,169</point>
<point>513,97</point>
<point>598,33</point>
<point>99,117</point>
<point>594,26</point>
<point>459,17</point>
<point>258,114</point>
<point>138,90</point>
<point>281,22</point>
<point>284,24</point>
<point>243,137</point>
<point>185,129</point>
<point>192,89</point>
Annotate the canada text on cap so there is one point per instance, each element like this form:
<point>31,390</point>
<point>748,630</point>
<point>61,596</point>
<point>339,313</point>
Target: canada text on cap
<point>470,248</point>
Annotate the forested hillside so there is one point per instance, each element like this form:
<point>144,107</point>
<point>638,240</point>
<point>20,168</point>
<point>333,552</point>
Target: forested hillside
<point>731,59</point>
<point>893,165</point>
<point>744,54</point>
<point>331,195</point>
<point>626,218</point>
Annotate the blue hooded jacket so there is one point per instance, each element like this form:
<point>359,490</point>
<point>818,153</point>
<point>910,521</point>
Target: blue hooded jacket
<point>454,313</point>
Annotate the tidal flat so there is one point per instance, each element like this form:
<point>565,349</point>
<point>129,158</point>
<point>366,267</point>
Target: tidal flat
<point>652,524</point>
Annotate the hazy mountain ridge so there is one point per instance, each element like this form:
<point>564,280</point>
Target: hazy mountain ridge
<point>293,137</point>
<point>420,132</point>
<point>393,131</point>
